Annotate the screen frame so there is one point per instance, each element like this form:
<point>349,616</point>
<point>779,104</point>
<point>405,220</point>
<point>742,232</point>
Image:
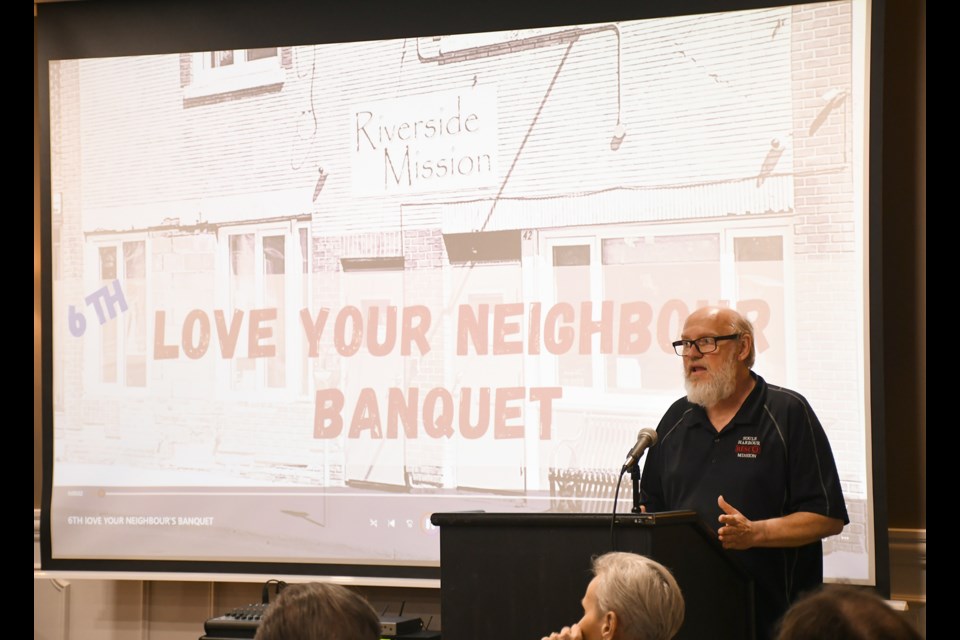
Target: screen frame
<point>101,28</point>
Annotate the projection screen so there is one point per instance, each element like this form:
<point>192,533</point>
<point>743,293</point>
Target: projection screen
<point>304,293</point>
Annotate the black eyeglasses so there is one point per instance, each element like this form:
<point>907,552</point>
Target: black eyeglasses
<point>706,344</point>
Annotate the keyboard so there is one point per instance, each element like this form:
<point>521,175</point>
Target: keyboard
<point>241,622</point>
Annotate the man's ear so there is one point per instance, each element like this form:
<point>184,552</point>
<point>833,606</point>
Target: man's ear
<point>609,627</point>
<point>746,343</point>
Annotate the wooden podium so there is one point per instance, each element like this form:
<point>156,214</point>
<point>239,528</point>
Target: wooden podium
<point>521,576</point>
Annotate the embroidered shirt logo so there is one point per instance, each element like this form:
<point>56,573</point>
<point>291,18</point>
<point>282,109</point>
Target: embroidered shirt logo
<point>748,447</point>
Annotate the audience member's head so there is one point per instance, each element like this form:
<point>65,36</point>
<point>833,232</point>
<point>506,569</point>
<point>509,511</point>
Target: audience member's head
<point>631,597</point>
<point>844,613</point>
<point>319,611</point>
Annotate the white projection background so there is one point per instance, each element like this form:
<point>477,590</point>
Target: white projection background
<point>306,295</point>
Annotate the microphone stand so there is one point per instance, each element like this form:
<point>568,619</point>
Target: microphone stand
<point>635,477</point>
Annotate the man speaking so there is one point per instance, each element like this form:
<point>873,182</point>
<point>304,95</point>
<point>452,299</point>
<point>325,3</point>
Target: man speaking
<point>751,459</point>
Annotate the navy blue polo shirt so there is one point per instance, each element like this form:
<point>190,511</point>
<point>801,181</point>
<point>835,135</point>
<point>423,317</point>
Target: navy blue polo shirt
<point>771,460</point>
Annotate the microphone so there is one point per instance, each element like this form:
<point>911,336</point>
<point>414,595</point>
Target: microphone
<point>645,439</point>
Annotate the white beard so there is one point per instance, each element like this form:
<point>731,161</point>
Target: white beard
<point>719,386</point>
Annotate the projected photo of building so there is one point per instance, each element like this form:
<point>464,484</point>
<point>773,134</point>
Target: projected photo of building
<point>442,272</point>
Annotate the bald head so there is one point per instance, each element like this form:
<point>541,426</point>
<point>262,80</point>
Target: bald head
<point>722,321</point>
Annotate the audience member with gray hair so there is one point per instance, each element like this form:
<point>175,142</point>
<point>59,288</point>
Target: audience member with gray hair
<point>631,597</point>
